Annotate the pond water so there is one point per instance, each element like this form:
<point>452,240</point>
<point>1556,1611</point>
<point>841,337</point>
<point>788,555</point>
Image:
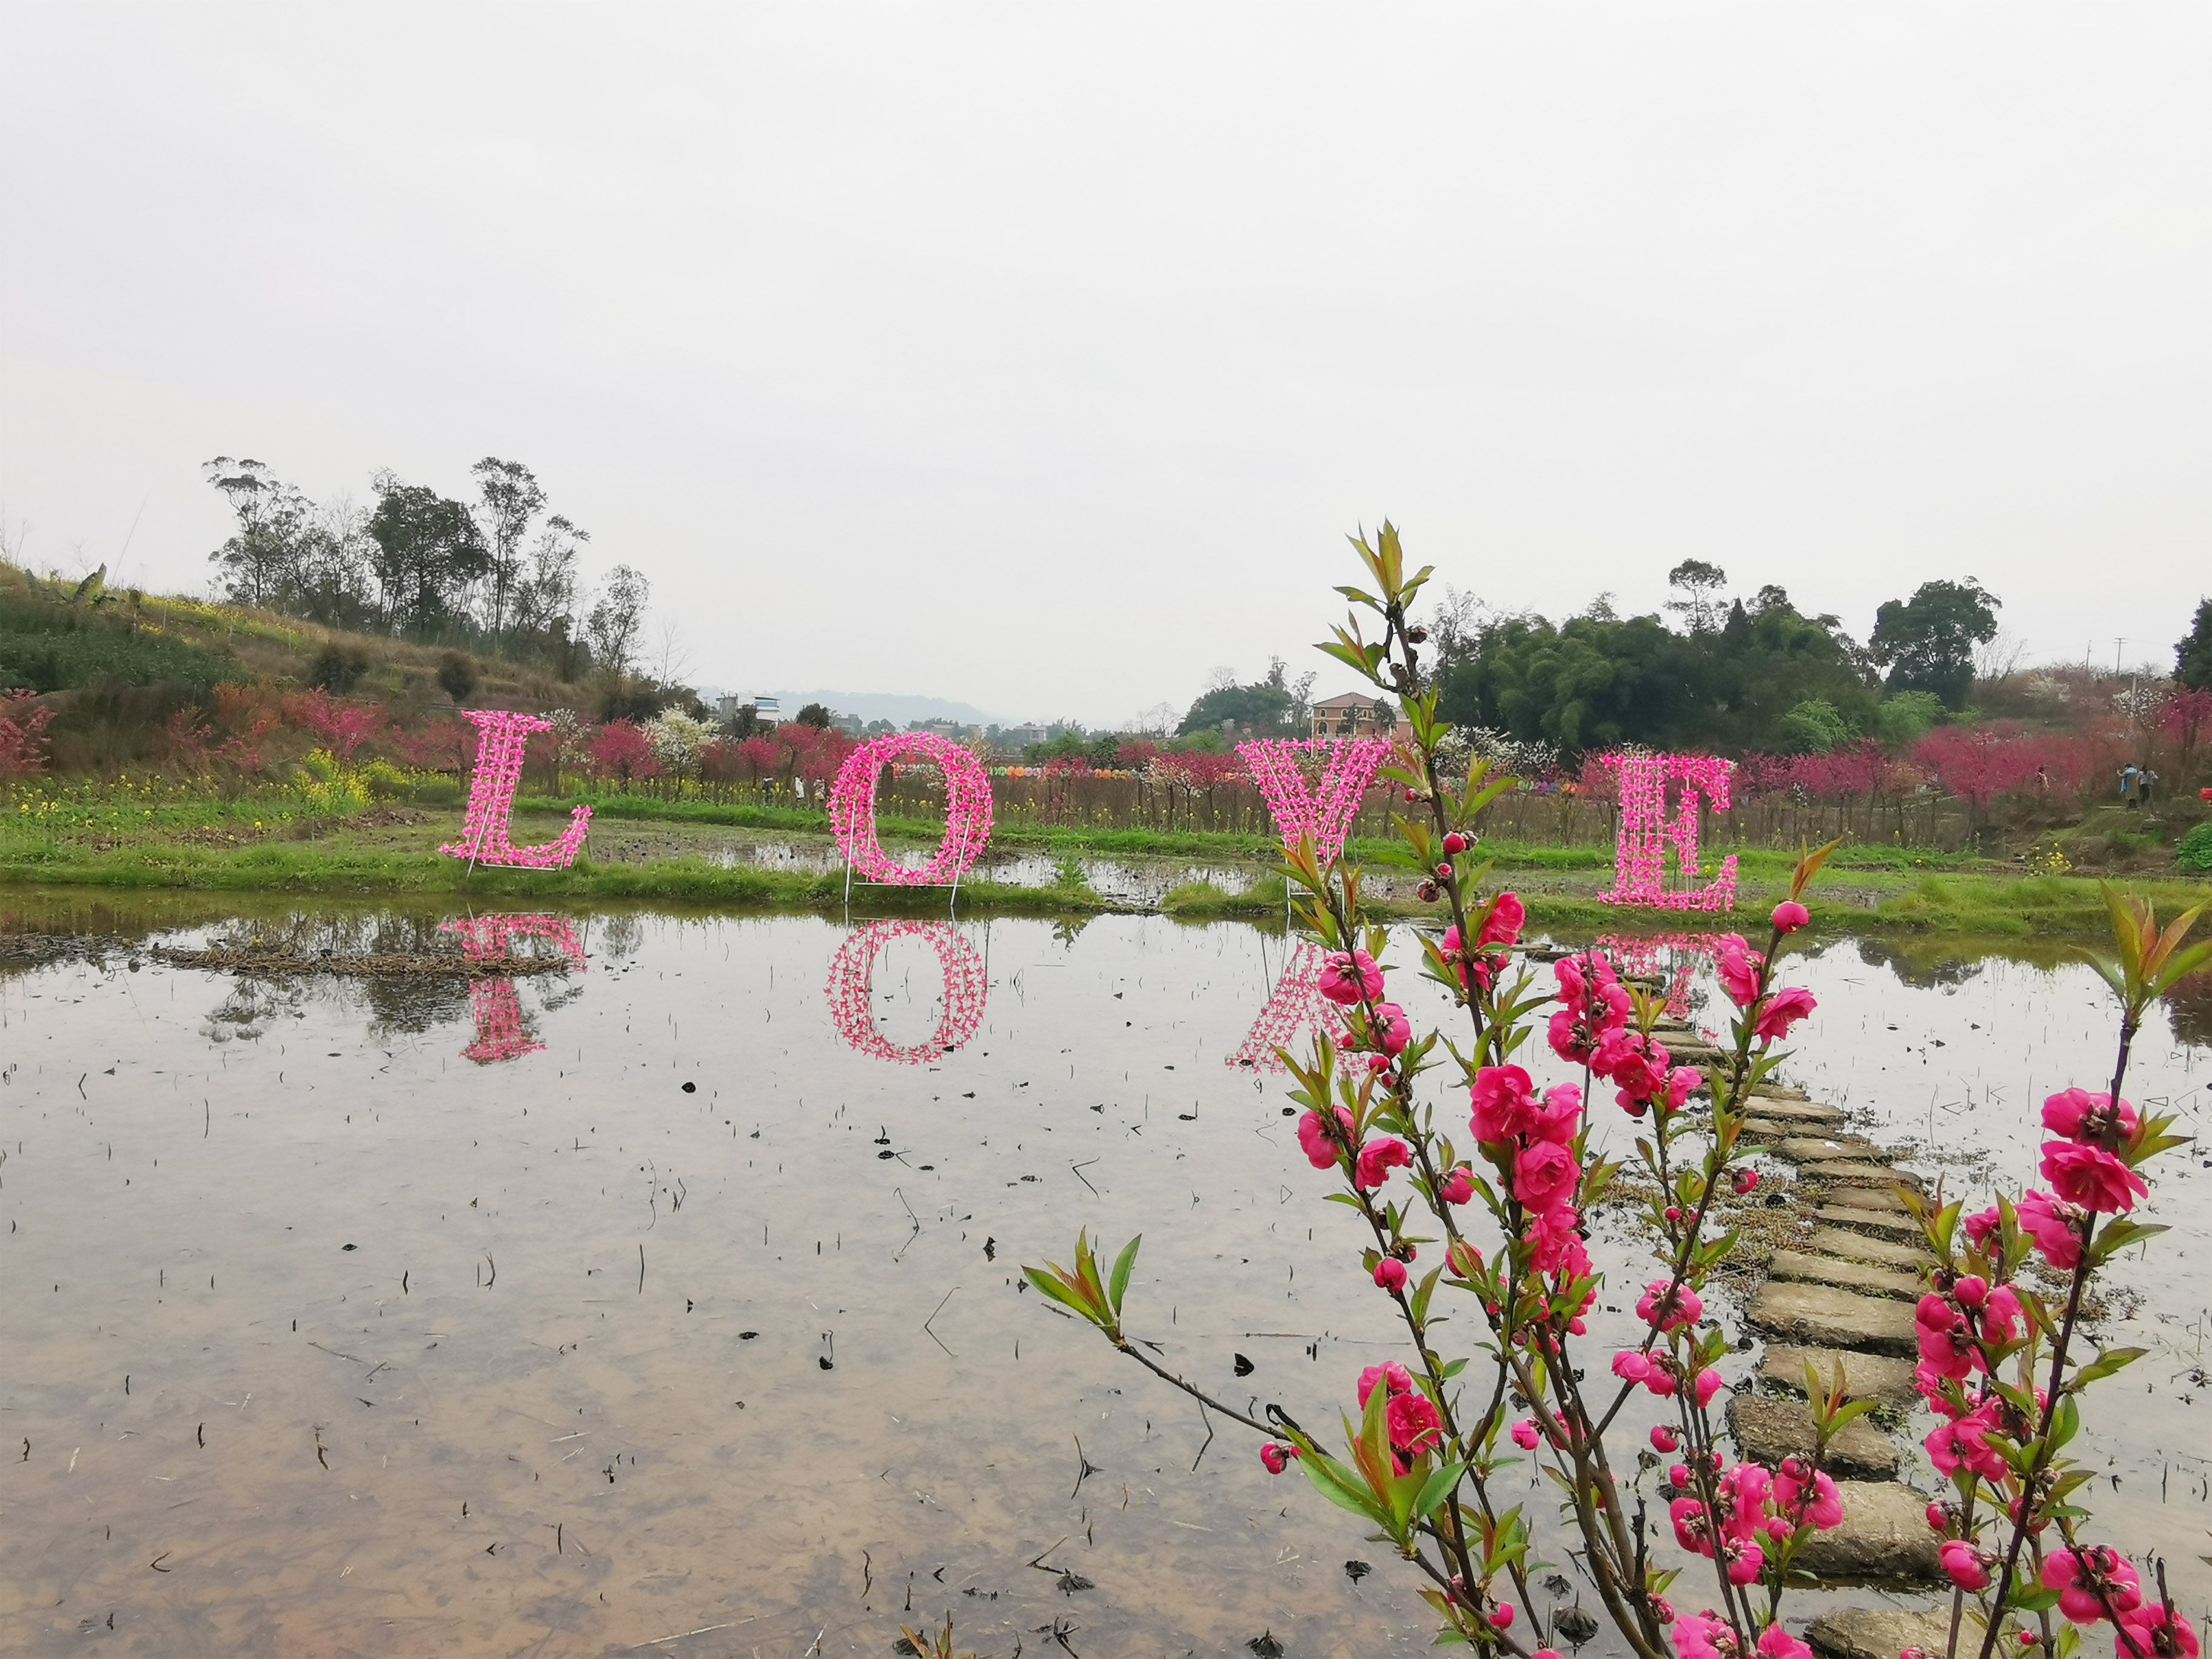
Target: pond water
<point>671,1305</point>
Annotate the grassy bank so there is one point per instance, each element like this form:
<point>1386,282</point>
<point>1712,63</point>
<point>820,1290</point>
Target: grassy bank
<point>280,867</point>
<point>1101,841</point>
<point>702,853</point>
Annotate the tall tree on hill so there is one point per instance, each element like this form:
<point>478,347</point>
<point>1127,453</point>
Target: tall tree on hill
<point>509,498</point>
<point>618,619</point>
<point>429,554</point>
<point>2192,657</point>
<point>1701,586</point>
<point>260,563</point>
<point>1927,643</point>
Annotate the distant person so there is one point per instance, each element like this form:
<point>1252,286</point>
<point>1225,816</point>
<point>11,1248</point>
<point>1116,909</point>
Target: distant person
<point>2043,781</point>
<point>2128,776</point>
<point>2146,785</point>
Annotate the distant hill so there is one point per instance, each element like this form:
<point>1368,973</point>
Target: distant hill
<point>897,706</point>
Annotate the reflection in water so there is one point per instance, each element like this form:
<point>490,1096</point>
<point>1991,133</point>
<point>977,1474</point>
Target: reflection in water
<point>1918,967</point>
<point>497,1006</point>
<point>1675,959</point>
<point>565,1393</point>
<point>851,990</point>
<point>1296,1003</point>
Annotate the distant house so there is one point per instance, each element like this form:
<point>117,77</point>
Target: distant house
<point>1352,715</point>
<point>769,710</point>
<point>1021,736</point>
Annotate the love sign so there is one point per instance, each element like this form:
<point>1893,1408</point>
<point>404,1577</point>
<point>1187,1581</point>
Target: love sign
<point>501,737</point>
<point>1647,832</point>
<point>967,809</point>
<point>1302,811</point>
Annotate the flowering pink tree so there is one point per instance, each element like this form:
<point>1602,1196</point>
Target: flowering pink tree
<point>1427,1459</point>
<point>622,752</point>
<point>2187,719</point>
<point>23,734</point>
<point>342,727</point>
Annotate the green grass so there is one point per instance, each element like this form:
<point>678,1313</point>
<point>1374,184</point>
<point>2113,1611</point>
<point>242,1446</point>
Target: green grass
<point>2025,906</point>
<point>1140,841</point>
<point>1200,900</point>
<point>283,867</point>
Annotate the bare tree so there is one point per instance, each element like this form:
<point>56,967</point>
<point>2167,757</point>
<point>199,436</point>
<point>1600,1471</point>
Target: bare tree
<point>14,534</point>
<point>672,653</point>
<point>1998,655</point>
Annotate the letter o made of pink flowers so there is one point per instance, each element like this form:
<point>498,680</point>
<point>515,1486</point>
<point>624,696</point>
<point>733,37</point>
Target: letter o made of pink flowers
<point>852,974</point>
<point>967,809</point>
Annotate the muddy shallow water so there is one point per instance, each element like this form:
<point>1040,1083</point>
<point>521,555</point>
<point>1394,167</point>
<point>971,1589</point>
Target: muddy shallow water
<point>700,1321</point>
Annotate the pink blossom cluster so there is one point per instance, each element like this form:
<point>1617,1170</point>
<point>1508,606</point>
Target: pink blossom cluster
<point>966,810</point>
<point>1590,1028</point>
<point>851,990</point>
<point>1640,848</point>
<point>1752,1508</point>
<point>1741,969</point>
<point>1300,812</point>
<point>503,736</point>
<point>1708,1635</point>
<point>1494,939</point>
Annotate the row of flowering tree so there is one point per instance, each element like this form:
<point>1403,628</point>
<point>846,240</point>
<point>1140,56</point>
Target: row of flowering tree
<point>1466,1182</point>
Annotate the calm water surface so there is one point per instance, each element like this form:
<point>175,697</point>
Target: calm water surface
<point>699,1314</point>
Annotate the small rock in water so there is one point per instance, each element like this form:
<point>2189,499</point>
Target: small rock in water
<point>1356,1571</point>
<point>690,1088</point>
<point>1266,1646</point>
<point>1243,1366</point>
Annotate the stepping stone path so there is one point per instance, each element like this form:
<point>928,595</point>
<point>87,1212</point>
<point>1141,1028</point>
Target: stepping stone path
<point>1771,1430</point>
<point>1842,1295</point>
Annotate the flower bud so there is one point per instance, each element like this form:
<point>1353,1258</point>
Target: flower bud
<point>1746,1180</point>
<point>1390,1273</point>
<point>1972,1291</point>
<point>1663,1437</point>
<point>1454,843</point>
<point>1789,916</point>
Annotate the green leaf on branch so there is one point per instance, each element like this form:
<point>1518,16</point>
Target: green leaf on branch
<point>1119,1281</point>
<point>2108,1363</point>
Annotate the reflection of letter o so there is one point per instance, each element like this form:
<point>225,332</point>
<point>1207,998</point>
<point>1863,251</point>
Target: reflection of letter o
<point>852,1007</point>
<point>967,809</point>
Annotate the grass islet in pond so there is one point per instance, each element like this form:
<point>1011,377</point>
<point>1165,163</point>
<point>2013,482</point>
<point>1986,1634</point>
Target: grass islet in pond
<point>615,1360</point>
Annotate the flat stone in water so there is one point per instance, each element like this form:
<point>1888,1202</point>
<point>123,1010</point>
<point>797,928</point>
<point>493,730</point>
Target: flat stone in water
<point>1866,1375</point>
<point>1889,1222</point>
<point>1857,1172</point>
<point>1878,1632</point>
<point>1841,1241</point>
<point>1872,1198</point>
<point>1771,1430</point>
<point>1792,1108</point>
<point>1850,1275</point>
<point>1884,1537</point>
<point>1822,1316</point>
<point>1814,1149</point>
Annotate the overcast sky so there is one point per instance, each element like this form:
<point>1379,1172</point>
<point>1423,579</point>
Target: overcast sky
<point>1042,355</point>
